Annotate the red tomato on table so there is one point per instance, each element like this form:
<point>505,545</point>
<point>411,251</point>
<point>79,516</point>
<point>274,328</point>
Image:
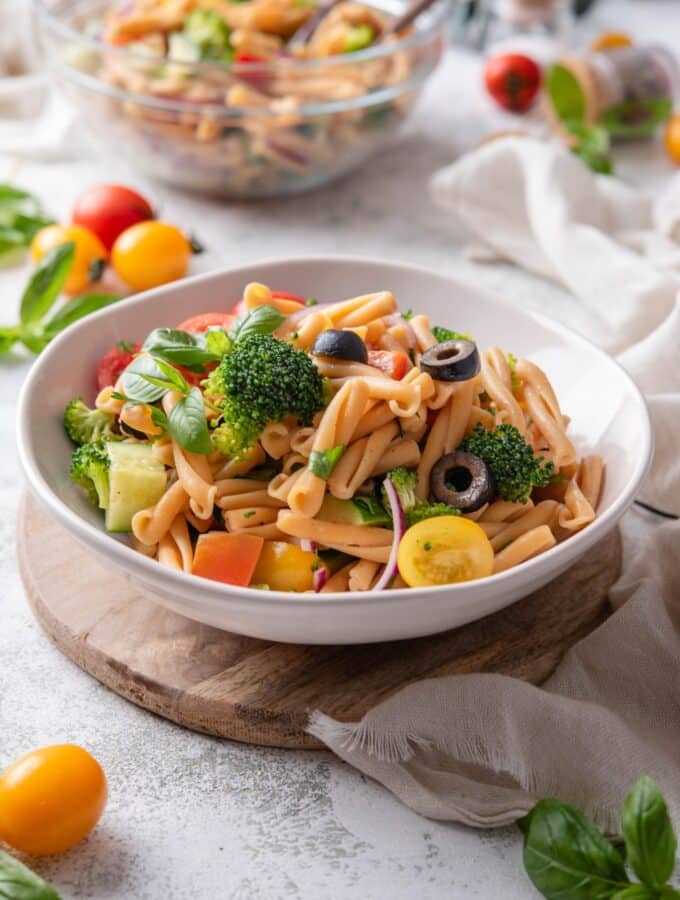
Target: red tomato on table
<point>109,209</point>
<point>513,80</point>
<point>115,361</point>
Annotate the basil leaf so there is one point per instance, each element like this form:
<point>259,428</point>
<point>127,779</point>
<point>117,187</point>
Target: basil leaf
<point>187,424</point>
<point>668,893</point>
<point>261,320</point>
<point>46,283</point>
<point>172,376</point>
<point>18,882</point>
<point>159,418</point>
<point>322,462</point>
<point>648,833</point>
<point>636,118</point>
<point>636,892</point>
<point>179,347</point>
<point>593,146</point>
<point>76,309</point>
<point>217,341</point>
<point>135,381</point>
<point>566,94</point>
<point>566,856</point>
<point>8,338</point>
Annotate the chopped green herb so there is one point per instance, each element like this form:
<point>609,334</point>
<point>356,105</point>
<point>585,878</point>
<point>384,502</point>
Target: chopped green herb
<point>312,302</point>
<point>445,334</point>
<point>322,462</point>
<point>249,514</point>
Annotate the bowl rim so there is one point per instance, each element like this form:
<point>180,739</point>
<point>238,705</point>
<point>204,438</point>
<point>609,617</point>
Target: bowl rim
<point>439,10</point>
<point>150,571</point>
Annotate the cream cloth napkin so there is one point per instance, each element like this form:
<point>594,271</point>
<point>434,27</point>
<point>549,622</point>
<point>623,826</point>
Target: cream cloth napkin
<point>481,749</point>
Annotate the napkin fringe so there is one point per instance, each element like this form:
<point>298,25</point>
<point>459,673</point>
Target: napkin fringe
<point>352,736</point>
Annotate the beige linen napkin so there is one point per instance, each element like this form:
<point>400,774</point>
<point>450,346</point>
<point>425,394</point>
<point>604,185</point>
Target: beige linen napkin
<point>481,749</point>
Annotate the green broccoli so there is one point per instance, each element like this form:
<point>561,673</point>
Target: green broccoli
<point>90,469</point>
<point>262,380</point>
<point>515,467</point>
<point>83,424</point>
<point>445,334</point>
<point>210,34</point>
<point>414,509</point>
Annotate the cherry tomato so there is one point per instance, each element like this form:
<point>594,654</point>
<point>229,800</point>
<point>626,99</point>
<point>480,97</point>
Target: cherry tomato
<point>444,550</point>
<point>672,138</point>
<point>108,209</point>
<point>90,257</point>
<point>115,361</point>
<point>513,80</point>
<point>51,799</point>
<point>392,362</point>
<point>203,321</point>
<point>285,567</point>
<point>150,254</point>
<point>610,40</point>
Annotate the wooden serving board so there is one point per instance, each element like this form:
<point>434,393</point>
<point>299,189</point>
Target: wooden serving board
<point>260,692</point>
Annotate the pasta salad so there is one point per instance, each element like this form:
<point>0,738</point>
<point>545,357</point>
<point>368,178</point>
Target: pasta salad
<point>300,446</point>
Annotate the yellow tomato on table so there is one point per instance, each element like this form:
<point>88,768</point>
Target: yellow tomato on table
<point>150,254</point>
<point>90,254</point>
<point>444,550</point>
<point>50,799</point>
<point>285,567</point>
<point>610,40</point>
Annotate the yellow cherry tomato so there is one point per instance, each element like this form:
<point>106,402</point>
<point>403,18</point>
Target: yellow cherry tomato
<point>672,138</point>
<point>285,567</point>
<point>444,550</point>
<point>51,799</point>
<point>90,255</point>
<point>150,254</point>
<point>610,40</point>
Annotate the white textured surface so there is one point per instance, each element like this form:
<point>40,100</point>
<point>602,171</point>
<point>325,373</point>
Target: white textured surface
<point>191,817</point>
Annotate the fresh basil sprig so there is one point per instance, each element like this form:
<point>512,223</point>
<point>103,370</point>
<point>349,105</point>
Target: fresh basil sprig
<point>21,218</point>
<point>261,320</point>
<point>180,347</point>
<point>322,462</point>
<point>565,855</point>
<point>186,423</point>
<point>18,882</point>
<point>34,329</point>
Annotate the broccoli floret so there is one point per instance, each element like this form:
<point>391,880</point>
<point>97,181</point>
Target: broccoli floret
<point>210,34</point>
<point>83,424</point>
<point>90,469</point>
<point>414,509</point>
<point>515,467</point>
<point>445,334</point>
<point>262,380</point>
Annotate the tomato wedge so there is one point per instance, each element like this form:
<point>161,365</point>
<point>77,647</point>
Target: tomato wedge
<point>392,362</point>
<point>229,558</point>
<point>115,361</point>
<point>203,321</point>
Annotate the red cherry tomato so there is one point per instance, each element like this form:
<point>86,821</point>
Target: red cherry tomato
<point>392,362</point>
<point>109,209</point>
<point>513,80</point>
<point>114,361</point>
<point>203,321</point>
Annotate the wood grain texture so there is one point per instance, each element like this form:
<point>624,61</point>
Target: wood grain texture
<point>259,692</point>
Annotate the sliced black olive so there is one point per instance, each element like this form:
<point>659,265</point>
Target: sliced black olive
<point>341,345</point>
<point>451,361</point>
<point>462,480</point>
<point>132,432</point>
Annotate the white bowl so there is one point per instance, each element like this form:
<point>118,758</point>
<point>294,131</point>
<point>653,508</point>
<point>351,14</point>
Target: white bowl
<point>608,415</point>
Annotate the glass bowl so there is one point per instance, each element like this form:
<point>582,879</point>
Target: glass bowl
<point>244,129</point>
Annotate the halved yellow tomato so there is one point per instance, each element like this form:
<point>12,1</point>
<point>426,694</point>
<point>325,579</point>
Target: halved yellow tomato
<point>444,550</point>
<point>285,567</point>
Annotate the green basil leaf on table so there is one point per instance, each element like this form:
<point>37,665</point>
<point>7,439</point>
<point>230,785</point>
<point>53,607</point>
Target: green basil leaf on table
<point>179,347</point>
<point>322,462</point>
<point>187,425</point>
<point>566,94</point>
<point>566,856</point>
<point>261,320</point>
<point>8,338</point>
<point>76,309</point>
<point>18,882</point>
<point>648,833</point>
<point>46,283</point>
<point>636,118</point>
<point>636,892</point>
<point>593,146</point>
<point>136,384</point>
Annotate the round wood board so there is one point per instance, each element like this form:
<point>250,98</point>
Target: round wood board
<point>260,692</point>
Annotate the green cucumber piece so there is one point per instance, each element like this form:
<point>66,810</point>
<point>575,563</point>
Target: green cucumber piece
<point>137,480</point>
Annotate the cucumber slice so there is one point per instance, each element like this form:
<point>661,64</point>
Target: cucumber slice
<point>137,480</point>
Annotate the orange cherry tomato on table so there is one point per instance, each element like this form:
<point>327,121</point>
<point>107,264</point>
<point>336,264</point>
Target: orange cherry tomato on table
<point>90,254</point>
<point>108,210</point>
<point>150,254</point>
<point>672,138</point>
<point>203,321</point>
<point>513,81</point>
<point>114,362</point>
<point>392,362</point>
<point>51,799</point>
<point>610,40</point>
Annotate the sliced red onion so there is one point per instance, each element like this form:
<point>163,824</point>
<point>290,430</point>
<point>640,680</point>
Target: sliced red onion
<point>320,578</point>
<point>391,570</point>
<point>309,546</point>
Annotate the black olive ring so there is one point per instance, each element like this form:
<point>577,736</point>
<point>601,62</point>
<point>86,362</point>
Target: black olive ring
<point>462,480</point>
